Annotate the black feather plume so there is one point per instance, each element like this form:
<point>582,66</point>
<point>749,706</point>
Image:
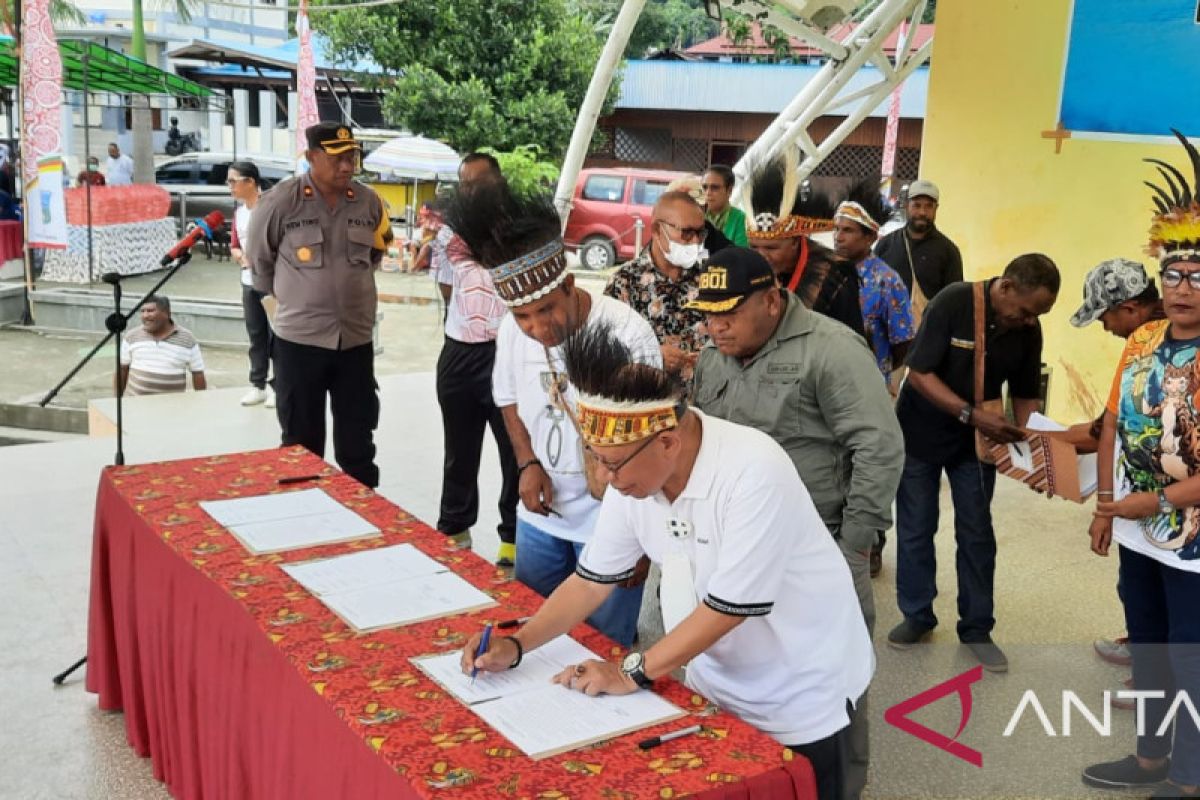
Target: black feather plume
<point>1175,180</point>
<point>599,363</point>
<point>497,225</point>
<point>1194,155</point>
<point>866,193</point>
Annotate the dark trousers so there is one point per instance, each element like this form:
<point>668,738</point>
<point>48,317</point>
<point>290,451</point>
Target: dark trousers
<point>258,328</point>
<point>828,757</point>
<point>971,487</point>
<point>304,375</point>
<point>1164,638</point>
<point>464,391</point>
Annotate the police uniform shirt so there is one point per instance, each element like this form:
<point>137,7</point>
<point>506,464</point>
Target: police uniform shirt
<point>757,549</point>
<point>317,261</point>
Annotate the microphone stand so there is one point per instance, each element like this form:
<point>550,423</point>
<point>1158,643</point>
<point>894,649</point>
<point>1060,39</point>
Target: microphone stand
<point>116,323</point>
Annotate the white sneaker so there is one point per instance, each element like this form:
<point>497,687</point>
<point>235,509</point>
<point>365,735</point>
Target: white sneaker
<point>254,396</point>
<point>270,403</point>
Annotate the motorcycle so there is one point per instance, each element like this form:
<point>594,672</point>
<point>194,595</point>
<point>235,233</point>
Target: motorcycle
<point>179,143</point>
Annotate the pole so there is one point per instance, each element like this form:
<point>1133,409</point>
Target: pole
<point>27,310</point>
<point>593,101</point>
<point>87,154</point>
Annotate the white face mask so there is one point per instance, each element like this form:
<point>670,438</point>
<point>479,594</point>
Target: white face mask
<point>682,255</point>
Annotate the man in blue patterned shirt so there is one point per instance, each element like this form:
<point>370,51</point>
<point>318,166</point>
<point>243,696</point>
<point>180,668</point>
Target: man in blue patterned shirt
<point>886,305</point>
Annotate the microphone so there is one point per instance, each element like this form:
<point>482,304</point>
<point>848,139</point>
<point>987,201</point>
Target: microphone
<point>204,229</point>
<point>111,277</point>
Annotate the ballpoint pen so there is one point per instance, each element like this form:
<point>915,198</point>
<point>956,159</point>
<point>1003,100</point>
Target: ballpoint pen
<point>509,624</point>
<point>483,647</point>
<point>647,744</point>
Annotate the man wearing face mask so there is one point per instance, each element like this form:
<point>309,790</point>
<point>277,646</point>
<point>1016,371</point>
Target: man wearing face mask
<point>660,282</point>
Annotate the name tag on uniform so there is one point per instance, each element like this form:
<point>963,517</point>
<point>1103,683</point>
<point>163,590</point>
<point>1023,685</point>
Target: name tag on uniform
<point>965,344</point>
<point>783,369</point>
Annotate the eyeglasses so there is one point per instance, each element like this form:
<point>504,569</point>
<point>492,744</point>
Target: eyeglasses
<point>615,468</point>
<point>712,187</point>
<point>688,234</point>
<point>1172,278</point>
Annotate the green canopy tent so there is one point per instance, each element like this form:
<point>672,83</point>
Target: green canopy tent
<point>90,67</point>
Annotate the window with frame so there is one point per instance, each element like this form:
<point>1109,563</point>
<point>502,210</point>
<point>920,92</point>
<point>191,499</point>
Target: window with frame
<point>605,188</point>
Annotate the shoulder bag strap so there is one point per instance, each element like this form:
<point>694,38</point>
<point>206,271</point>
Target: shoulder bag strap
<point>980,341</point>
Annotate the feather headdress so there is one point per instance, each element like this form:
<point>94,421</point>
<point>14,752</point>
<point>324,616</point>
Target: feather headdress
<point>777,211</point>
<point>1175,228</point>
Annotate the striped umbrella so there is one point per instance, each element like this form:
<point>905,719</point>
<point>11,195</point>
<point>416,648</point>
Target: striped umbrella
<point>414,157</point>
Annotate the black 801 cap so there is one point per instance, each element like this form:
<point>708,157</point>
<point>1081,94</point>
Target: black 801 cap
<point>731,275</point>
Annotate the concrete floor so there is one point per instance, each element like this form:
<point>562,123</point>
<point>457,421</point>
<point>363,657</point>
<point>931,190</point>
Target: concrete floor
<point>1053,596</point>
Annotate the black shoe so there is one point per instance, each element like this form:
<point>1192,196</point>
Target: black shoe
<point>504,562</point>
<point>907,634</point>
<point>1124,774</point>
<point>990,656</point>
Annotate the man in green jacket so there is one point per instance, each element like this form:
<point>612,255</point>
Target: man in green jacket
<point>810,383</point>
<point>717,184</point>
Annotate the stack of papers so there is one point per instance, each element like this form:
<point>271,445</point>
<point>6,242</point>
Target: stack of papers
<point>272,523</point>
<point>387,587</point>
<point>542,718</point>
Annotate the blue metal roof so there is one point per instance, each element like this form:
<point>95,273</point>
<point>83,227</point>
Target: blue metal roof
<point>745,88</point>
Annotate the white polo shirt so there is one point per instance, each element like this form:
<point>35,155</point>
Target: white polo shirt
<point>522,376</point>
<point>757,549</point>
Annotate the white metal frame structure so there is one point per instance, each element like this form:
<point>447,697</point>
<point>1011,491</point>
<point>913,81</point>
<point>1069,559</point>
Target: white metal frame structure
<point>820,97</point>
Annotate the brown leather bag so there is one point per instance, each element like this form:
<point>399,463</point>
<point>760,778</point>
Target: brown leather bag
<point>591,470</point>
<point>983,445</point>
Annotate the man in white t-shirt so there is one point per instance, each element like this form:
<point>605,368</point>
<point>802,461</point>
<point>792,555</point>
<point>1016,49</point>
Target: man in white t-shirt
<point>119,169</point>
<point>520,242</point>
<point>758,602</point>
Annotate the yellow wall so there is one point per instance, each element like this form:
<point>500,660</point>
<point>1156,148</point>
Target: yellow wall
<point>994,87</point>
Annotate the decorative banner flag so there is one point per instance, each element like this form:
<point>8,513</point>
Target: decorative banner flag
<point>45,209</point>
<point>306,80</point>
<point>891,134</point>
<point>41,151</point>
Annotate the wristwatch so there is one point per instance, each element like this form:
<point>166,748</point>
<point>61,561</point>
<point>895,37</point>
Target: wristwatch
<point>634,666</point>
<point>964,415</point>
<point>1165,506</point>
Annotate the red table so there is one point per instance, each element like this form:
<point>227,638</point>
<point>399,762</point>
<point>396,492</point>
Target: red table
<point>239,684</point>
<point>12,240</point>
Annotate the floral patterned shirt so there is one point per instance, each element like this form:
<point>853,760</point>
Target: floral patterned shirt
<point>660,301</point>
<point>886,310</point>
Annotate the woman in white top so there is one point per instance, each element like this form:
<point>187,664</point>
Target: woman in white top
<point>244,184</point>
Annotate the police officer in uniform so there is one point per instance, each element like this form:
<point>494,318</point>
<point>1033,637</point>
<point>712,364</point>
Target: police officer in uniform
<point>315,243</point>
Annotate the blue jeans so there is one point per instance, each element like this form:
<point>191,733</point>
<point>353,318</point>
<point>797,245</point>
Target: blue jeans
<point>545,561</point>
<point>1164,638</point>
<point>971,487</point>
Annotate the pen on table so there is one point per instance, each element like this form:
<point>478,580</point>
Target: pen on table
<point>647,744</point>
<point>299,479</point>
<point>509,624</point>
<point>483,646</point>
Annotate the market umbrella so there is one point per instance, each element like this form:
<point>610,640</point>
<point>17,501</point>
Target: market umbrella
<point>414,157</point>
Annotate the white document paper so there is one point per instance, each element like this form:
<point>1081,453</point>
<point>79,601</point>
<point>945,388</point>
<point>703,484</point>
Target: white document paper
<point>288,521</point>
<point>1088,464</point>
<point>540,717</point>
<point>407,601</point>
<point>361,570</point>
<point>537,670</point>
<point>554,719</point>
<point>1021,456</point>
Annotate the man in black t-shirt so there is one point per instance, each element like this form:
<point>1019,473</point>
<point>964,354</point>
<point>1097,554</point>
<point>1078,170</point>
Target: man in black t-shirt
<point>939,415</point>
<point>920,248</point>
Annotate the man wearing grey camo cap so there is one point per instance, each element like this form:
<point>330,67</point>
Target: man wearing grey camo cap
<point>1119,294</point>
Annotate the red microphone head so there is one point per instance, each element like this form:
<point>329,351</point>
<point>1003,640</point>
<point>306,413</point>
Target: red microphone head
<point>215,220</point>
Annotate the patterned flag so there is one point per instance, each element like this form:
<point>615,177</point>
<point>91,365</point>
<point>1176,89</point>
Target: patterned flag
<point>306,79</point>
<point>41,155</point>
<point>892,131</point>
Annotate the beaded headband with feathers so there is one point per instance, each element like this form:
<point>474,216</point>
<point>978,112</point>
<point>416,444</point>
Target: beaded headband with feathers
<point>620,401</point>
<point>1175,228</point>
<point>865,205</point>
<point>518,239</point>
<point>777,209</point>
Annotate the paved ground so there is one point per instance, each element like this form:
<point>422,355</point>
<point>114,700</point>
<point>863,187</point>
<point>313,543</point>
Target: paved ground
<point>1052,597</point>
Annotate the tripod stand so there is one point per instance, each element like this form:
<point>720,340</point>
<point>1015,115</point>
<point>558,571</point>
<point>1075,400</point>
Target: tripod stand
<point>115,323</point>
